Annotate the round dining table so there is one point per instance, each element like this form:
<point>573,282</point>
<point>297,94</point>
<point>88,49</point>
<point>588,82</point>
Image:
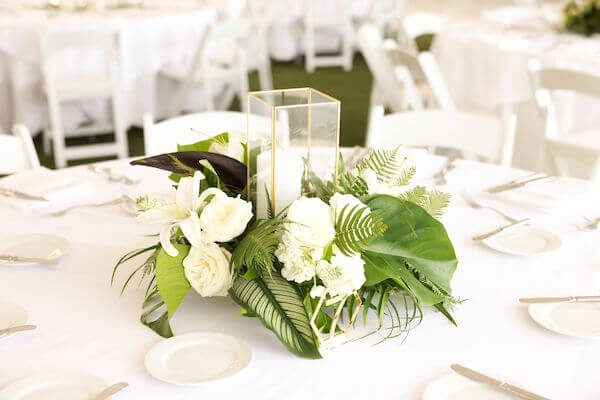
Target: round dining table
<point>484,62</point>
<point>86,325</point>
<point>150,39</point>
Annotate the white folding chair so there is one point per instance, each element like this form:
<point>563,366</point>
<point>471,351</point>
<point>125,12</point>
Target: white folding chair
<point>403,80</point>
<point>163,137</point>
<point>103,84</point>
<point>472,134</point>
<point>17,152</point>
<point>328,16</point>
<point>562,149</point>
<point>219,67</point>
<point>418,24</point>
<point>386,14</point>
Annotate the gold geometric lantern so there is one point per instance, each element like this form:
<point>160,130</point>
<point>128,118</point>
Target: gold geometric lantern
<point>292,133</point>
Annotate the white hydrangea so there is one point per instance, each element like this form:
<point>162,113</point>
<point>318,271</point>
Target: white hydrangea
<point>343,275</point>
<point>299,262</point>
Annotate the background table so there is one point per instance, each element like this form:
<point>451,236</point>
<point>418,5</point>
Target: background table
<point>150,39</point>
<point>484,62</point>
<point>83,324</point>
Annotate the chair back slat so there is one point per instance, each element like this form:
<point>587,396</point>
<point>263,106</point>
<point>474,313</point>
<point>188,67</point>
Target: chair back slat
<point>470,133</point>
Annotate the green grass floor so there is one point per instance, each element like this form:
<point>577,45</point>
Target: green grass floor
<point>353,88</point>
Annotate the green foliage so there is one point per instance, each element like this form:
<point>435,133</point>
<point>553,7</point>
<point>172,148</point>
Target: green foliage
<point>414,254</point>
<point>387,164</point>
<point>257,248</point>
<point>279,306</point>
<point>155,315</point>
<point>355,227</point>
<point>172,284</point>
<point>582,17</point>
<point>434,202</point>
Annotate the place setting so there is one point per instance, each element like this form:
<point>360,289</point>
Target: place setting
<point>468,384</point>
<point>531,199</point>
<point>67,385</point>
<point>13,320</point>
<point>576,316</point>
<point>34,248</point>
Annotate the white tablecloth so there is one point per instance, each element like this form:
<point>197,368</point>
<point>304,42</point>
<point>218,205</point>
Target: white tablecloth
<point>150,39</point>
<point>484,62</point>
<point>83,324</point>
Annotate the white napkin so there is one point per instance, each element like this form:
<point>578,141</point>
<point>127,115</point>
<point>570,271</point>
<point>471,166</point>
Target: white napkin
<point>561,196</point>
<point>56,187</point>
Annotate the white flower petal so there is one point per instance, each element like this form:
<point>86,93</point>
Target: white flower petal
<point>161,215</point>
<point>188,189</point>
<point>191,229</point>
<point>165,240</point>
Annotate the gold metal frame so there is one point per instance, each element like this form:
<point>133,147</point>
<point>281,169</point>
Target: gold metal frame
<point>257,96</point>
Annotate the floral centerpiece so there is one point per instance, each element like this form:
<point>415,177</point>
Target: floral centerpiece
<point>582,16</point>
<point>365,241</point>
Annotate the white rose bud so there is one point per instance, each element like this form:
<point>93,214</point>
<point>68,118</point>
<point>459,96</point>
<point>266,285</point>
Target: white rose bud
<point>311,222</point>
<point>207,269</point>
<point>224,218</point>
<point>339,201</point>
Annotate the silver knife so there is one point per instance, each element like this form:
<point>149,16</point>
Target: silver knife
<point>18,259</point>
<point>13,329</point>
<point>518,184</point>
<point>502,229</point>
<point>21,195</point>
<point>479,377</point>
<point>109,391</point>
<point>570,299</point>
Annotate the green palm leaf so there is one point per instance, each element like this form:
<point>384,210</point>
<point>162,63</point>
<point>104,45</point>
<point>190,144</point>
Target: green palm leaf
<point>355,227</point>
<point>279,307</point>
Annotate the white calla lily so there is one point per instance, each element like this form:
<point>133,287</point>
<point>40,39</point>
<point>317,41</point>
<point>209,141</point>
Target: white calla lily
<point>183,213</point>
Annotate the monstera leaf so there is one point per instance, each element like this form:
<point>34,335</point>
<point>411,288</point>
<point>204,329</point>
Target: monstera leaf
<point>231,172</point>
<point>280,308</point>
<point>415,250</point>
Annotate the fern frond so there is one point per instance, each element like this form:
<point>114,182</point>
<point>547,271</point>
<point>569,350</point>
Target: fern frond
<point>355,227</point>
<point>434,202</point>
<point>387,164</point>
<point>405,176</point>
<point>351,184</point>
<point>257,249</point>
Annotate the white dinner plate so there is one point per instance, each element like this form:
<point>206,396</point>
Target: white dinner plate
<point>33,245</point>
<point>524,241</point>
<point>197,357</point>
<point>571,319</point>
<point>53,386</point>
<point>11,315</point>
<point>456,387</point>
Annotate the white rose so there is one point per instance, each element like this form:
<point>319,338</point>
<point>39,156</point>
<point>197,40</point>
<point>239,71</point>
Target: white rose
<point>311,222</point>
<point>339,201</point>
<point>343,275</point>
<point>207,269</point>
<point>224,218</point>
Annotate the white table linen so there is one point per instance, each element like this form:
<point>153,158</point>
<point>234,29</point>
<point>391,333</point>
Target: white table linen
<point>83,324</point>
<point>150,39</point>
<point>484,62</point>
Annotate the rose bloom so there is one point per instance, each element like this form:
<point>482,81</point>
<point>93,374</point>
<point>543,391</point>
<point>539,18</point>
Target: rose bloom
<point>224,218</point>
<point>207,269</point>
<point>311,222</point>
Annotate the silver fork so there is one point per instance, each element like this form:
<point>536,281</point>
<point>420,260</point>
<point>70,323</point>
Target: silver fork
<point>471,202</point>
<point>65,210</point>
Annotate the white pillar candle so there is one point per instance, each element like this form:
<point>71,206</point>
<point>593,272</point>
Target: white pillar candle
<point>289,168</point>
